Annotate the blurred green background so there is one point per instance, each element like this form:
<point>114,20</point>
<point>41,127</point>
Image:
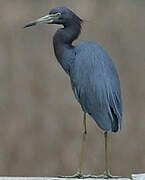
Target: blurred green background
<point>40,120</point>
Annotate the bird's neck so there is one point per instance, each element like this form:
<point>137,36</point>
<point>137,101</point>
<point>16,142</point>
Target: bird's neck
<point>63,48</point>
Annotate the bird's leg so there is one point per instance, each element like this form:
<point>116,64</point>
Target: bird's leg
<point>79,173</point>
<point>107,173</point>
<point>82,145</point>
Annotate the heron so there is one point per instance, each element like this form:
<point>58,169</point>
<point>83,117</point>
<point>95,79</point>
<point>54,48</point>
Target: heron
<point>93,76</point>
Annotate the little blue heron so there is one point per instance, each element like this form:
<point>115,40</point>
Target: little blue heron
<point>93,76</point>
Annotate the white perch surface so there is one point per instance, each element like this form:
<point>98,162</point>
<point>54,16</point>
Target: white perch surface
<point>133,177</point>
<point>55,178</point>
<point>138,176</point>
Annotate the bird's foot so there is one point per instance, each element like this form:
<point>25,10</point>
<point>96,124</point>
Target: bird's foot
<point>76,175</point>
<point>80,175</point>
<point>107,175</point>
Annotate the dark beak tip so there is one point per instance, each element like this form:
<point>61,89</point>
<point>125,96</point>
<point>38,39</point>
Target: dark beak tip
<point>30,24</point>
<point>25,26</point>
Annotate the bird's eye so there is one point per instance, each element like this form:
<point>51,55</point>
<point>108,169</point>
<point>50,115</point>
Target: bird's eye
<point>55,14</point>
<point>58,14</point>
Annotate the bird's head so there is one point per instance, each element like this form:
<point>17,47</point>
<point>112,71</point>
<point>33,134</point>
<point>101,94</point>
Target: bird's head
<point>60,15</point>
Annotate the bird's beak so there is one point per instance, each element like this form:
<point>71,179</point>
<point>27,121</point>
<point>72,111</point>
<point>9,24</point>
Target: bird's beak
<point>45,19</point>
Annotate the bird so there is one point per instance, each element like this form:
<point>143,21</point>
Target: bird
<point>93,76</point>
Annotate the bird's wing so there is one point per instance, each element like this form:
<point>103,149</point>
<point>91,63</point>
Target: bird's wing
<point>96,86</point>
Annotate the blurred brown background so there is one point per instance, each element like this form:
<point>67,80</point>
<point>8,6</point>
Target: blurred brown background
<point>40,121</point>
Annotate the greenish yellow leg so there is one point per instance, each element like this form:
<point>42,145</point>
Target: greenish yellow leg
<point>107,173</point>
<point>106,155</point>
<point>82,145</point>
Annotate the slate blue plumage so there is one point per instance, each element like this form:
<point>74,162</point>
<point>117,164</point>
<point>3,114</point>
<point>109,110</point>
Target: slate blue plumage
<point>96,85</point>
<point>93,76</point>
<point>92,73</point>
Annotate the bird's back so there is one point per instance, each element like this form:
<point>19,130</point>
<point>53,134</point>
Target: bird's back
<point>96,85</point>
